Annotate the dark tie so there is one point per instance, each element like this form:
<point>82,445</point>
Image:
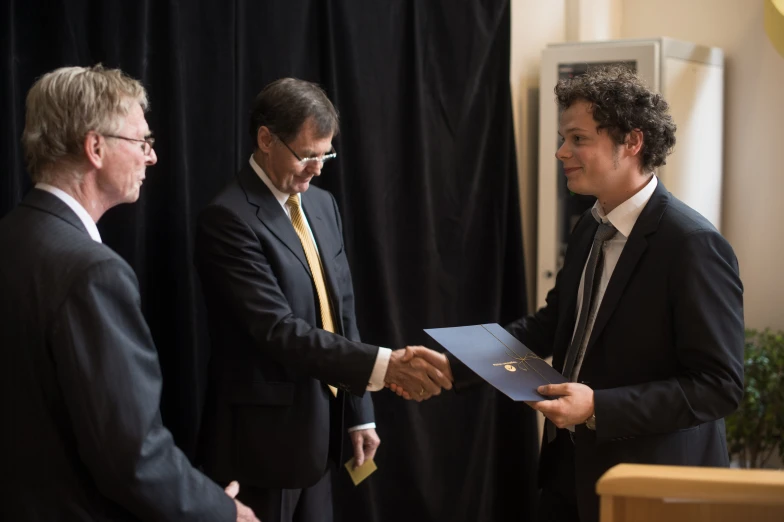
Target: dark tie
<point>593,274</point>
<point>588,308</point>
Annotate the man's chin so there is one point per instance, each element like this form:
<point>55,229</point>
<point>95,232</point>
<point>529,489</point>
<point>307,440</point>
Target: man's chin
<point>575,187</point>
<point>302,186</point>
<point>133,196</point>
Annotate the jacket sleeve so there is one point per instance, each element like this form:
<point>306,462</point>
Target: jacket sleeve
<point>108,371</point>
<point>537,331</point>
<point>236,274</point>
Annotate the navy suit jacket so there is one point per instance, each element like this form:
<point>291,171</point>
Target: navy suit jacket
<point>269,420</point>
<point>665,356</point>
<point>80,384</point>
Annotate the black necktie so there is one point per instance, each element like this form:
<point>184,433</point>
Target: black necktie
<point>593,273</point>
<point>588,308</point>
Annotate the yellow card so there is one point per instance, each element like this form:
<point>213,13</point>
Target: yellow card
<point>362,472</point>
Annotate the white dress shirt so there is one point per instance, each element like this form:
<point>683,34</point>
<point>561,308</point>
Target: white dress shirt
<point>66,198</point>
<point>623,217</point>
<point>382,358</point>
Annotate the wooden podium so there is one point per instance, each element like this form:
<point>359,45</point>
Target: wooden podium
<point>644,493</point>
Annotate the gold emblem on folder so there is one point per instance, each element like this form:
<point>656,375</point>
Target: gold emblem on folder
<point>519,362</point>
<point>522,363</point>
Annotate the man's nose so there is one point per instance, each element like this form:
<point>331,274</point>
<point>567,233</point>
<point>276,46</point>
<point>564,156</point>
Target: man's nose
<point>562,152</point>
<point>315,167</point>
<point>152,158</point>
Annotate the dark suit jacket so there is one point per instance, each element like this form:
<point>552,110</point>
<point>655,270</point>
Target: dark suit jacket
<point>80,384</point>
<point>665,357</point>
<point>269,419</point>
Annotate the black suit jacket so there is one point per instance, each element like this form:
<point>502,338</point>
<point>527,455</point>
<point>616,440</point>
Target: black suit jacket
<point>269,420</point>
<point>665,357</point>
<point>80,384</point>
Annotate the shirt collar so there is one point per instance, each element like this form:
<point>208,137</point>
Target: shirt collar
<point>282,197</point>
<point>74,205</point>
<point>624,216</point>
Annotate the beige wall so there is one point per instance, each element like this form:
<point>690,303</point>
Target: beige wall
<point>753,200</point>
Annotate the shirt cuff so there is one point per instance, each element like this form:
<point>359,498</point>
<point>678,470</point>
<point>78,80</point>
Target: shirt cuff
<point>379,370</point>
<point>367,426</point>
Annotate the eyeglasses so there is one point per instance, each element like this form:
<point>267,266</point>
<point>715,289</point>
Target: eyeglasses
<point>148,143</point>
<point>312,160</point>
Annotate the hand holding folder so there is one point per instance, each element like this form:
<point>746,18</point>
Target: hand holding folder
<point>498,358</point>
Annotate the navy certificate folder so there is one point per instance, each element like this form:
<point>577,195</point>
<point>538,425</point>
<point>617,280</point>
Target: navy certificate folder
<point>499,358</point>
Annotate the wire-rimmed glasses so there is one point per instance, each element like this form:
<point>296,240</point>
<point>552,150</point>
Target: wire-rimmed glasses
<point>305,162</point>
<point>148,143</point>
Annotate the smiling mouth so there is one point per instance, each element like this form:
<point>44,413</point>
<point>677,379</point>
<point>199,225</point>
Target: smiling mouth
<point>570,170</point>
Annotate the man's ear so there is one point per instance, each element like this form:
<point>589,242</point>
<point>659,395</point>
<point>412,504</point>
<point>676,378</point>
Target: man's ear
<point>264,139</point>
<point>633,144</point>
<point>94,149</point>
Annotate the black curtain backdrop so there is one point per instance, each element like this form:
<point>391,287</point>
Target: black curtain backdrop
<point>425,180</point>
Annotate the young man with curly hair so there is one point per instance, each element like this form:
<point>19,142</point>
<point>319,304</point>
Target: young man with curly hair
<point>646,316</point>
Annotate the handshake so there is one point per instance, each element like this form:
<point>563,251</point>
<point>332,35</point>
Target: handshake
<point>418,373</point>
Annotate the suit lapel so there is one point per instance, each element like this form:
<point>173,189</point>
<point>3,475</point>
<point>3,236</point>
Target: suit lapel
<point>327,247</point>
<point>271,214</point>
<point>635,247</point>
<point>278,223</point>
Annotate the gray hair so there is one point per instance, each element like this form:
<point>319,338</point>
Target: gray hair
<point>64,105</point>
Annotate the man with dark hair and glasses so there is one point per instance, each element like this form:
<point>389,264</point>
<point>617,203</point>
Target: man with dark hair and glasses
<point>80,384</point>
<point>288,373</point>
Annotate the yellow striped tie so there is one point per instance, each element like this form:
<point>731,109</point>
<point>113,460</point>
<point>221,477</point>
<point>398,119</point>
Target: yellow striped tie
<point>314,262</point>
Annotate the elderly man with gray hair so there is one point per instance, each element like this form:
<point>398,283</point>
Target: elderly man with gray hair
<point>80,382</point>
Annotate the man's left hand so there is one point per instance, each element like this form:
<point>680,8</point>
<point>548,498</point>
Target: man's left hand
<point>573,406</point>
<point>365,444</point>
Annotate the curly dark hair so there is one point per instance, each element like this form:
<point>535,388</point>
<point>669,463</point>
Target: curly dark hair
<point>621,103</point>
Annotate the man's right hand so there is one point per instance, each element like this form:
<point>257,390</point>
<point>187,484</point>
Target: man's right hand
<point>244,513</point>
<point>418,372</point>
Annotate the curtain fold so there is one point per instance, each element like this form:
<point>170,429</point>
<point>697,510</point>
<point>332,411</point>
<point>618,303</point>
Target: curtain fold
<point>425,180</point>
